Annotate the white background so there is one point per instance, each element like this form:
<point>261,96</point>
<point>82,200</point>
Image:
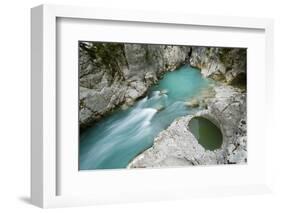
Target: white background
<point>15,105</point>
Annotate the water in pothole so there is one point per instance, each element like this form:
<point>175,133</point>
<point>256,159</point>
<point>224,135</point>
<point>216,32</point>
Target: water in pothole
<point>206,132</point>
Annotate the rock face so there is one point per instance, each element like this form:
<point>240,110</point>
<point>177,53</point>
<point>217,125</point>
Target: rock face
<point>113,74</point>
<point>222,64</point>
<point>228,110</point>
<point>176,146</point>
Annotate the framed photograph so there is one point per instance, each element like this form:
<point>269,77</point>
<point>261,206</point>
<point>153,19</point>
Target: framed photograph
<point>131,106</point>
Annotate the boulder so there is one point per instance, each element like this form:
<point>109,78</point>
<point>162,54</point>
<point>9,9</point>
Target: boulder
<point>192,103</point>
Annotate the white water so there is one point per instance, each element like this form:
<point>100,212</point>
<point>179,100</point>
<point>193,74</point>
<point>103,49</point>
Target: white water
<point>117,139</point>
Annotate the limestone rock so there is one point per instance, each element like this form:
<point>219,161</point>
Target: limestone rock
<point>176,146</point>
<point>222,64</point>
<point>192,103</point>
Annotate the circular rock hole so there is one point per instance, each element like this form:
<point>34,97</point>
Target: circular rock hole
<point>206,132</point>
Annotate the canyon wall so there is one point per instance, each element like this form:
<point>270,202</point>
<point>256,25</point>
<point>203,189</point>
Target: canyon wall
<point>222,64</point>
<point>113,74</point>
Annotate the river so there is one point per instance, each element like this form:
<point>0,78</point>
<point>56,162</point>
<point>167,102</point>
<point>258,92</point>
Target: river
<point>116,139</point>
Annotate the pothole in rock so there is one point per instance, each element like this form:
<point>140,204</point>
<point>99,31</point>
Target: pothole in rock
<point>206,132</point>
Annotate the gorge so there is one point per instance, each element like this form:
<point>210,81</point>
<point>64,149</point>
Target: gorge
<point>138,101</point>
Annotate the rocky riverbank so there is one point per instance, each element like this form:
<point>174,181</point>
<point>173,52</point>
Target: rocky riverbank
<point>177,146</point>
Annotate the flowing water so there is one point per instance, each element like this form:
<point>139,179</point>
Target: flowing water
<point>115,140</point>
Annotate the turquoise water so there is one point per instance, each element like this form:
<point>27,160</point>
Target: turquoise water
<point>115,140</point>
<point>207,133</point>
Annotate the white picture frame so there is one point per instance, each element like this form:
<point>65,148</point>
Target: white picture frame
<point>45,167</point>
